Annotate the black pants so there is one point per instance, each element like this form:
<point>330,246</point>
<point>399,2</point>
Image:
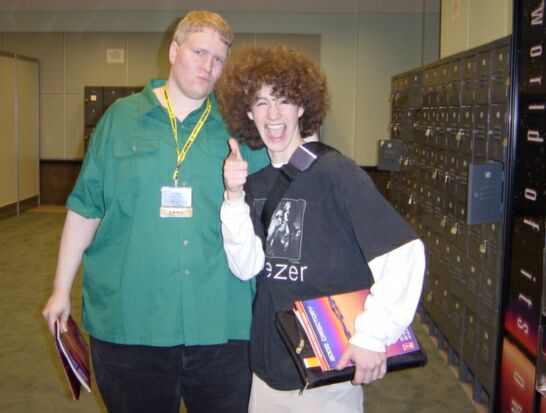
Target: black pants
<point>210,379</point>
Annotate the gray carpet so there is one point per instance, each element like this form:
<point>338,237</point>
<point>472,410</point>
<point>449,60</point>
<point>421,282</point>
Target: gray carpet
<point>32,380</point>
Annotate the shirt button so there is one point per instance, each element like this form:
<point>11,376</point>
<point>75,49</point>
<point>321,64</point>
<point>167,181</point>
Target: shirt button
<point>134,148</point>
<point>186,272</point>
<point>186,242</point>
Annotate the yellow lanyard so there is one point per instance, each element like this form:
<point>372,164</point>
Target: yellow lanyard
<point>182,153</point>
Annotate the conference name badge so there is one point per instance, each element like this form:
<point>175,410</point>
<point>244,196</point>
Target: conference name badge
<point>176,202</point>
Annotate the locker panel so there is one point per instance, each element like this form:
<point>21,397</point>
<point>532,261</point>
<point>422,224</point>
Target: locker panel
<point>482,64</point>
<point>455,326</point>
<point>457,264</point>
<point>111,94</point>
<point>467,92</point>
<point>452,129</point>
<point>489,296</point>
<point>454,71</point>
<point>470,338</point>
<point>453,94</point>
<point>92,115</point>
<point>498,133</point>
<point>486,355</point>
<point>473,276</point>
<point>500,61</point>
<point>461,177</point>
<point>468,77</point>
<point>464,135</point>
<point>479,138</point>
<point>93,96</point>
<point>476,240</point>
<point>451,170</point>
<point>481,91</point>
<point>499,89</point>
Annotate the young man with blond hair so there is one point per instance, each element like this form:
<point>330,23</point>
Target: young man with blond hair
<point>166,320</point>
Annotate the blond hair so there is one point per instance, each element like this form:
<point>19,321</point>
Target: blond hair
<point>196,21</point>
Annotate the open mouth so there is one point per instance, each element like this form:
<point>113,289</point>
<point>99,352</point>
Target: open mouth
<point>276,131</point>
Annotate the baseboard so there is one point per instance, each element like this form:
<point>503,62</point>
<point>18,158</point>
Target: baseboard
<point>29,203</point>
<point>24,205</point>
<point>8,210</point>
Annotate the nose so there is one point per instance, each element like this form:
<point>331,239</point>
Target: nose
<point>207,64</point>
<point>273,112</point>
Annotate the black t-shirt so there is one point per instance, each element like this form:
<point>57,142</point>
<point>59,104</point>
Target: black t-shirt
<point>329,223</point>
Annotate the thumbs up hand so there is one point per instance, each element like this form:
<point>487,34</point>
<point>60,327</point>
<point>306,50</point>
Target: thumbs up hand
<point>235,171</point>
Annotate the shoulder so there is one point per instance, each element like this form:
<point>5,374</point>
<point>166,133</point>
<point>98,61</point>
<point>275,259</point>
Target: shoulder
<point>256,158</point>
<point>341,172</point>
<point>124,107</point>
<point>334,163</point>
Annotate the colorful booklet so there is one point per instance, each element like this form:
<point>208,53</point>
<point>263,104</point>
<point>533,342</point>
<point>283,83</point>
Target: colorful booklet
<point>74,355</point>
<point>329,324</point>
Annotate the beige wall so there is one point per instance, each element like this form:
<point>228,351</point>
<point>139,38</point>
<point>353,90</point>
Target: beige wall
<point>358,51</point>
<point>469,23</point>
<point>19,162</point>
<point>27,90</point>
<point>8,143</point>
<point>383,54</point>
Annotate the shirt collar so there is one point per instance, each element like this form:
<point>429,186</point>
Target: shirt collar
<point>150,102</point>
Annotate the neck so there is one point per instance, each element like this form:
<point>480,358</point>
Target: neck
<point>181,104</point>
<point>280,158</point>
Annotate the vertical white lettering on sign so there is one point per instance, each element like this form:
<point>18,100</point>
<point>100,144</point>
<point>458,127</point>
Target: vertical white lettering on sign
<point>530,194</point>
<point>537,15</point>
<point>527,275</point>
<point>526,300</point>
<point>536,50</point>
<point>533,224</point>
<point>519,380</point>
<point>537,79</point>
<point>534,136</point>
<point>515,407</point>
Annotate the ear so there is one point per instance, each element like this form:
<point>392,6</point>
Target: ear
<point>250,115</point>
<point>300,111</point>
<point>173,50</point>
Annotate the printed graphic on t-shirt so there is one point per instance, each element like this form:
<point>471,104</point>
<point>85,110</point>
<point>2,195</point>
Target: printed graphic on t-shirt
<point>286,229</point>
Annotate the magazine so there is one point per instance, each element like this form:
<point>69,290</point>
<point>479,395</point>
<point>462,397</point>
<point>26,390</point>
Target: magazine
<point>328,322</point>
<point>74,355</point>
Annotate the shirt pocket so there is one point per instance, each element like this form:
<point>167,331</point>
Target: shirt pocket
<point>136,161</point>
<point>133,146</point>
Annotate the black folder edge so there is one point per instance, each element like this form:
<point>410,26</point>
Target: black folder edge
<point>292,333</point>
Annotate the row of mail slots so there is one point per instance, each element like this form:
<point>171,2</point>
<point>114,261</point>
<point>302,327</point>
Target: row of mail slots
<point>446,154</point>
<point>96,100</point>
<point>99,98</point>
<point>480,130</point>
<point>479,76</point>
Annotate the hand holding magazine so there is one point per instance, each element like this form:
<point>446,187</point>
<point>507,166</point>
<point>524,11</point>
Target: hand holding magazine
<point>318,331</point>
<point>74,355</point>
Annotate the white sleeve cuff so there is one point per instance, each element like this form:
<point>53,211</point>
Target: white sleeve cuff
<point>243,248</point>
<point>390,307</point>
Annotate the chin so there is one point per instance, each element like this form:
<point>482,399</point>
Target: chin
<point>200,96</point>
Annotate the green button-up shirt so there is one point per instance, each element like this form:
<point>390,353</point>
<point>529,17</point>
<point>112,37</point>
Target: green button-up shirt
<point>151,280</point>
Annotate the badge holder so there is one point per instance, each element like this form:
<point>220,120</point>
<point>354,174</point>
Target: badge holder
<point>176,202</point>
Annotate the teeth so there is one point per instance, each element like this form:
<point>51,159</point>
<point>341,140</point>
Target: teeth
<point>275,130</point>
